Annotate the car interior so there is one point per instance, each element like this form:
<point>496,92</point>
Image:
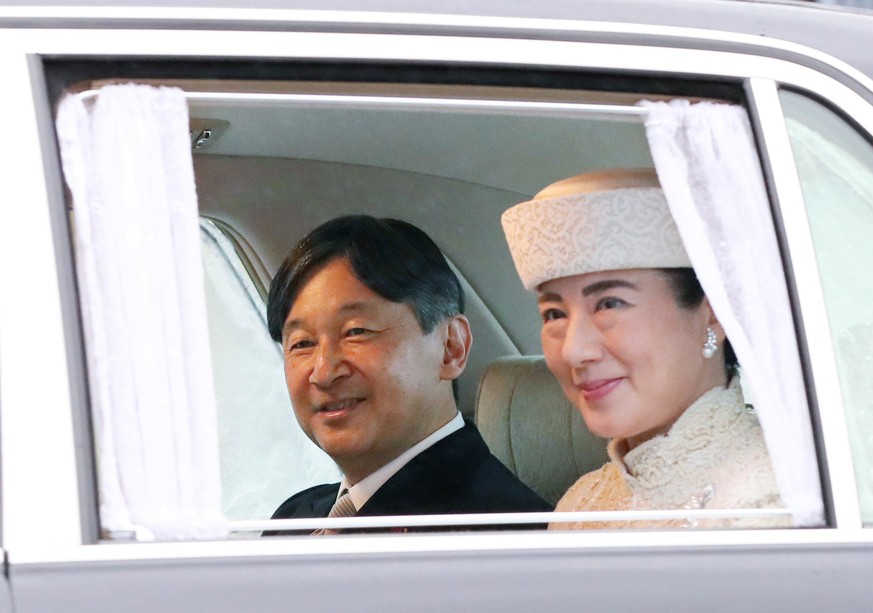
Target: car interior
<point>274,158</point>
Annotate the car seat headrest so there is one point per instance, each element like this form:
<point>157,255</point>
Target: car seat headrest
<point>533,429</point>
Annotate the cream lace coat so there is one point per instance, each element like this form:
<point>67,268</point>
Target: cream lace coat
<point>713,457</point>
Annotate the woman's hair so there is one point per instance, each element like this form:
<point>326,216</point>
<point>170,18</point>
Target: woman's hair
<point>689,295</point>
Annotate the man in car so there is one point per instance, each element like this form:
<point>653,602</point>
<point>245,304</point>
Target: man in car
<point>370,317</point>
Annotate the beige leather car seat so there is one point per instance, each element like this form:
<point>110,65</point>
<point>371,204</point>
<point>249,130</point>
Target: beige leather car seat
<point>532,428</point>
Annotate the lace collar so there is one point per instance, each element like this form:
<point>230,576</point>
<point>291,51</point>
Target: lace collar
<point>692,444</point>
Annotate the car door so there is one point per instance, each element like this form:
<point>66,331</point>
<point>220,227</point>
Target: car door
<point>59,554</point>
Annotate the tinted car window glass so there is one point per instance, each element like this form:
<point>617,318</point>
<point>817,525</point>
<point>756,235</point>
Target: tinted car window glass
<point>835,166</point>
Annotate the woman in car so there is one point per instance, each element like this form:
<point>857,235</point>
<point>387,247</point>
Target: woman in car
<point>636,347</point>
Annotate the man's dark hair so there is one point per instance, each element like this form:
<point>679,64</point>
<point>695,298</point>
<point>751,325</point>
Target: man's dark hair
<point>688,294</point>
<point>391,257</point>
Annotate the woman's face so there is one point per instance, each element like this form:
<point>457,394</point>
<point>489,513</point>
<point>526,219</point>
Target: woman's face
<point>627,356</point>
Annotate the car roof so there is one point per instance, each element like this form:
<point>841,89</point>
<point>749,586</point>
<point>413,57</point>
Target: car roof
<point>839,31</point>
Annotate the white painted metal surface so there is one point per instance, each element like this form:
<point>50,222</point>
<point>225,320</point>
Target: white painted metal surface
<point>40,495</point>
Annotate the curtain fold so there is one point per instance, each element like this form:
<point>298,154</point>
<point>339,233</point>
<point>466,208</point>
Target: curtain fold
<point>709,169</point>
<point>127,161</point>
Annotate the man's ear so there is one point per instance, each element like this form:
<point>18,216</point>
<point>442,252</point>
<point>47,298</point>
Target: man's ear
<point>456,347</point>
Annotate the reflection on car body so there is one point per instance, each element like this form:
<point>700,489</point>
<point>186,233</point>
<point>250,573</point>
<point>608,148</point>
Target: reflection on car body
<point>445,121</point>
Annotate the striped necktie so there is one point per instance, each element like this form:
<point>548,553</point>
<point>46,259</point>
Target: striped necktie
<point>343,507</point>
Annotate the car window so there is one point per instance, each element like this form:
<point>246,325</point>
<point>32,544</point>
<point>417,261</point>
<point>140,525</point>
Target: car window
<point>835,167</point>
<point>449,158</point>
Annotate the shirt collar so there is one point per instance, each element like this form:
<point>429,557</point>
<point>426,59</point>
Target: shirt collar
<point>364,489</point>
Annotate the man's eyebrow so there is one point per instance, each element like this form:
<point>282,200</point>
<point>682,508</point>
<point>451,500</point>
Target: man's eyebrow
<point>349,307</point>
<point>290,325</point>
<point>606,284</point>
<point>356,305</point>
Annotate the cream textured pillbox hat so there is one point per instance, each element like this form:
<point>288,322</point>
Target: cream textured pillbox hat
<point>603,220</point>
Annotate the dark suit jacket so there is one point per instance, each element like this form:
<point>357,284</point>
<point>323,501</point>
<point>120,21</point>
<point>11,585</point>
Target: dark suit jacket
<point>457,474</point>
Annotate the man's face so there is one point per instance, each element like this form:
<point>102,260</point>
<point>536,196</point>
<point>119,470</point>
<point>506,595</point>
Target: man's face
<point>364,379</point>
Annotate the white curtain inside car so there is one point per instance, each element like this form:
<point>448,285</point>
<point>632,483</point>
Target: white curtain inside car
<point>127,160</point>
<point>711,175</point>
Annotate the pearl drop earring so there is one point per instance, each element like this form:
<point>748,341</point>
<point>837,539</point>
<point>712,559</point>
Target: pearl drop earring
<point>711,344</point>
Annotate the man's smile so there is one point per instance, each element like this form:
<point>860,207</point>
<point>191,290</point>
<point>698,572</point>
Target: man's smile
<point>338,407</point>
